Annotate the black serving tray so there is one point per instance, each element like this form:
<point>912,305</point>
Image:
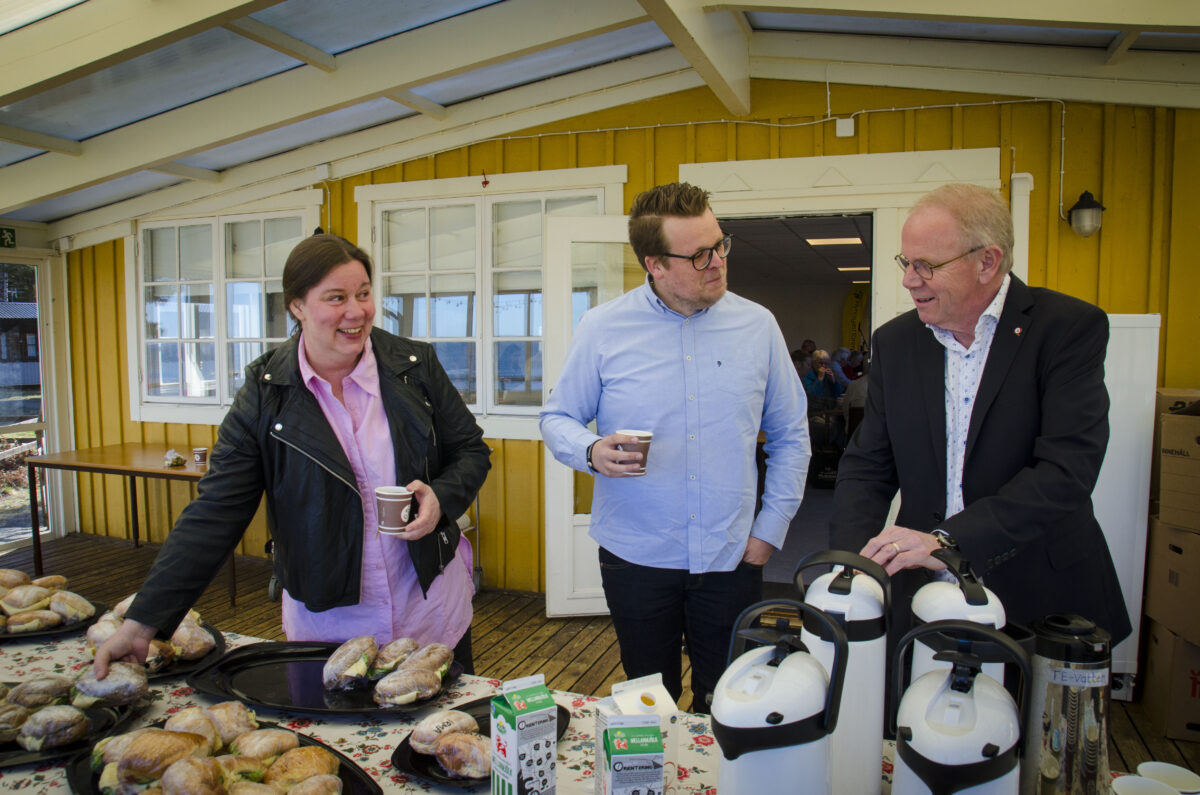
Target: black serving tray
<point>61,629</point>
<point>102,721</point>
<point>355,781</point>
<point>405,759</point>
<point>287,676</point>
<point>183,667</point>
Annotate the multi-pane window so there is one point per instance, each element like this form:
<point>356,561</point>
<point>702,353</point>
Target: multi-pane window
<point>211,302</point>
<point>466,275</point>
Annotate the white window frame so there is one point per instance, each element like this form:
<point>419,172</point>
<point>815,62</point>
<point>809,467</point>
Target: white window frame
<point>198,411</point>
<point>497,421</point>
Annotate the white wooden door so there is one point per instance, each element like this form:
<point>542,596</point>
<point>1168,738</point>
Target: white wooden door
<point>588,262</point>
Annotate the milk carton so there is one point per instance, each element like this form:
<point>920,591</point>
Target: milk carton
<point>645,696</point>
<point>631,756</point>
<point>524,738</point>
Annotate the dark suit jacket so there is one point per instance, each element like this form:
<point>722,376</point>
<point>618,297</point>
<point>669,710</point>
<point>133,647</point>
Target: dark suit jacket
<point>1038,432</point>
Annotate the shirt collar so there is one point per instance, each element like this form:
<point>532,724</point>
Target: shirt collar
<point>365,373</point>
<point>658,305</point>
<point>990,315</point>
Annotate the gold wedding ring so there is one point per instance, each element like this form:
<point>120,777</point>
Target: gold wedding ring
<point>896,547</point>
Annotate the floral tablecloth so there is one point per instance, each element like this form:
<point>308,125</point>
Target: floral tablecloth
<point>368,740</point>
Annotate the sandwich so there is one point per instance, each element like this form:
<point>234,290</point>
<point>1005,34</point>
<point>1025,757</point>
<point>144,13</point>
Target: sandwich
<point>196,721</point>
<point>151,753</point>
<point>193,775</point>
<point>71,606</point>
<point>392,655</point>
<point>324,784</point>
<point>238,768</point>
<point>266,745</point>
<point>120,607</point>
<point>251,788</point>
<point>52,727</point>
<point>41,692</point>
<point>347,667</point>
<point>232,719</point>
<point>32,621</point>
<point>298,764</point>
<point>406,685</point>
<point>125,684</point>
<point>102,630</point>
<point>464,755</point>
<point>25,597</point>
<point>192,641</point>
<point>54,582</point>
<point>425,736</point>
<point>435,657</point>
<point>12,716</point>
<point>109,750</point>
<point>159,654</point>
<point>11,578</point>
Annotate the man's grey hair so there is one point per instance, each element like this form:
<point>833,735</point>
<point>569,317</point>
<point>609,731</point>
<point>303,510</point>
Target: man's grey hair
<point>983,217</point>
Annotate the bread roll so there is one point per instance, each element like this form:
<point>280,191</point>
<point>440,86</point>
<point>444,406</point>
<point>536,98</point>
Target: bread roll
<point>192,641</point>
<point>425,736</point>
<point>11,578</point>
<point>392,655</point>
<point>102,630</point>
<point>151,753</point>
<point>196,721</point>
<point>52,727</point>
<point>33,621</point>
<point>71,606</point>
<point>193,776</point>
<point>347,667</point>
<point>124,684</point>
<point>435,657</point>
<point>231,719</point>
<point>159,655</point>
<point>324,784</point>
<point>251,788</point>
<point>298,764</point>
<point>40,692</point>
<point>464,755</point>
<point>404,686</point>
<point>120,607</point>
<point>241,768</point>
<point>109,750</point>
<point>12,716</point>
<point>265,744</point>
<point>25,597</point>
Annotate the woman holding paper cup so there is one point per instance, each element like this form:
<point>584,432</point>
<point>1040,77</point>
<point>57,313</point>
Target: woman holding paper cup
<point>335,413</point>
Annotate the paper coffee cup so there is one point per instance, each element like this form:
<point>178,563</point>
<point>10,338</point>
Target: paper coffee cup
<point>642,445</point>
<point>200,455</point>
<point>393,504</point>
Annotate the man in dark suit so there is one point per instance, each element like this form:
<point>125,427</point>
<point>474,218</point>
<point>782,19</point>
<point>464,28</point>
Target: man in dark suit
<point>987,410</point>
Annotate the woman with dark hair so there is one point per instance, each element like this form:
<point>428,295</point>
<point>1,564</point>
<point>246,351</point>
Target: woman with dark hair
<point>335,411</point>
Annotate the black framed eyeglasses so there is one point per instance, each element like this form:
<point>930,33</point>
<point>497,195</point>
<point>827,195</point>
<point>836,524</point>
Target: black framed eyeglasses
<point>703,258</point>
<point>924,269</point>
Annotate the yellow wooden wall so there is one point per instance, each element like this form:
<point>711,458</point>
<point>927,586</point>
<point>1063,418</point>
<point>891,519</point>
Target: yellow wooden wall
<point>1142,164</point>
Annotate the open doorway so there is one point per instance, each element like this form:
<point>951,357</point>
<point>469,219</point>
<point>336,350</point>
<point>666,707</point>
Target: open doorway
<point>813,272</point>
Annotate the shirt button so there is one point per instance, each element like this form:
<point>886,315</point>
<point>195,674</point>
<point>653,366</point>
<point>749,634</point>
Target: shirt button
<point>691,477</point>
<point>267,377</point>
<point>412,358</point>
<point>689,358</point>
<point>693,516</point>
<point>691,436</point>
<point>691,397</point>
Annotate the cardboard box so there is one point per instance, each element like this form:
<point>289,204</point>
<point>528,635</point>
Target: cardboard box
<point>1166,400</point>
<point>631,756</point>
<point>1173,579</point>
<point>1179,487</point>
<point>645,695</point>
<point>524,738</point>
<point>1171,683</point>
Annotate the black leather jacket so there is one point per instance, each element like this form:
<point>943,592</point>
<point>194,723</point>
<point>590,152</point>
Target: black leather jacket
<point>276,440</point>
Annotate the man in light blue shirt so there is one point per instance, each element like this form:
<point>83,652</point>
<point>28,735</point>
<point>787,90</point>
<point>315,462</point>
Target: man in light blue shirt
<point>681,549</point>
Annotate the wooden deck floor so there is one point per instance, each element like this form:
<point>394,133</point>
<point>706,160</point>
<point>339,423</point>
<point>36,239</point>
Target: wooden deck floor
<point>510,633</point>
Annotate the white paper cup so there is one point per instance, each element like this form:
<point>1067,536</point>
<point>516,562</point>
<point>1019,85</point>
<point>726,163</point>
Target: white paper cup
<point>393,506</point>
<point>642,445</point>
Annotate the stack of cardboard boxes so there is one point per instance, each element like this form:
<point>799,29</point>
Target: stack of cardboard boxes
<point>1171,675</point>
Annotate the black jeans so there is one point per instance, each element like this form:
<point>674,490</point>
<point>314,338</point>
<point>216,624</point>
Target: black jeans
<point>654,610</point>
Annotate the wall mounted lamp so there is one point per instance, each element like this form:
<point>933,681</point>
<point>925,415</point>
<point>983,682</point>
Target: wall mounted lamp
<point>1085,215</point>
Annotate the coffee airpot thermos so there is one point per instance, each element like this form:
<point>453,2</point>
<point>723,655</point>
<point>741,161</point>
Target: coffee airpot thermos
<point>1066,739</point>
<point>957,729</point>
<point>775,707</point>
<point>857,597</point>
<point>965,599</point>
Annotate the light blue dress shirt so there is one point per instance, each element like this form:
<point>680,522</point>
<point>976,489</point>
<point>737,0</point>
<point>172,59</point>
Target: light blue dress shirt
<point>704,385</point>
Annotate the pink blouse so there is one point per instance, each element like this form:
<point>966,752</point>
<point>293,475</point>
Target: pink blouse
<point>390,602</point>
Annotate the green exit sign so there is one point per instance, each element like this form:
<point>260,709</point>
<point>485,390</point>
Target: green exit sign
<point>8,237</point>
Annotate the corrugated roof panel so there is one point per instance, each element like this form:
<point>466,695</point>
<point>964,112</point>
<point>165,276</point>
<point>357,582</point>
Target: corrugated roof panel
<point>14,153</point>
<point>19,13</point>
<point>105,193</point>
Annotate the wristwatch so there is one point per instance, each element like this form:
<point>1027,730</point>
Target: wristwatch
<point>944,539</point>
<point>589,456</point>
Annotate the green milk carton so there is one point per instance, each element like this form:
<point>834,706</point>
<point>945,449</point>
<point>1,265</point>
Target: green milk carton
<point>524,738</point>
<point>631,756</point>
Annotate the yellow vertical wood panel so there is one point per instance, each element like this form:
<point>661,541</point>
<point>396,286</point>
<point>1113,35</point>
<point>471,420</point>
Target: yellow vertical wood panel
<point>450,164</point>
<point>886,132</point>
<point>116,489</point>
<point>419,169</point>
<point>493,541</point>
<point>1078,258</point>
<point>1026,128</point>
<point>1182,319</point>
<point>710,142</point>
<point>524,537</point>
<point>1160,254</point>
<point>670,144</point>
<point>796,138</point>
<point>592,150</point>
<point>519,155</point>
<point>753,142</point>
<point>346,217</point>
<point>1128,175</point>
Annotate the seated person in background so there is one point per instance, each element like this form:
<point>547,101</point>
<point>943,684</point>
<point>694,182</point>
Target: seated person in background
<point>838,364</point>
<point>853,366</point>
<point>855,397</point>
<point>821,384</point>
<point>808,346</point>
<point>803,363</point>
